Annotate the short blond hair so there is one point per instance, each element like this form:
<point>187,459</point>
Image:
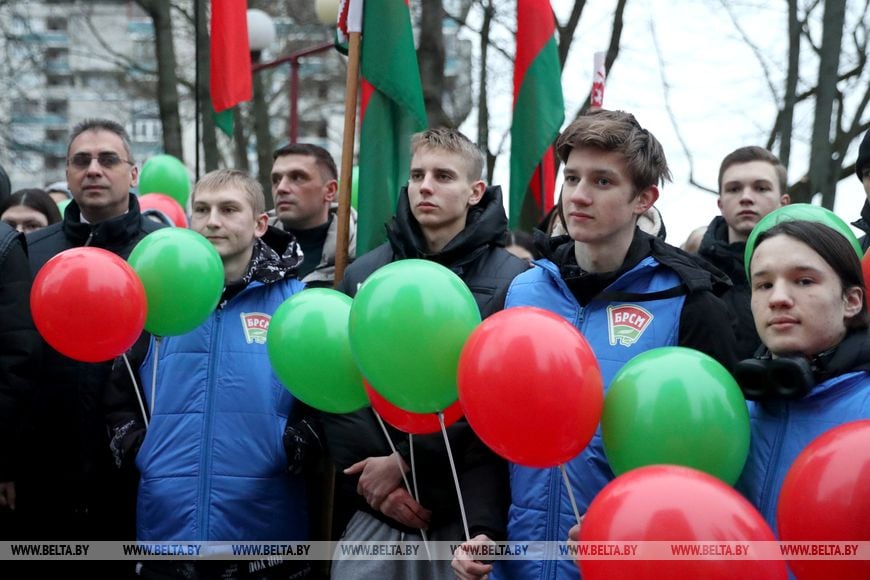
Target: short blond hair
<point>221,178</point>
<point>451,140</point>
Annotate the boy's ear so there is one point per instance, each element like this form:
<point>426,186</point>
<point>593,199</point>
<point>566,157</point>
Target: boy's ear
<point>262,224</point>
<point>645,199</point>
<point>478,188</point>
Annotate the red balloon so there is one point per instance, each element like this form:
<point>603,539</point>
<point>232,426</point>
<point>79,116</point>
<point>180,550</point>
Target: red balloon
<point>413,423</point>
<point>530,386</point>
<point>825,497</point>
<point>865,269</point>
<point>668,503</point>
<point>163,203</point>
<point>88,304</point>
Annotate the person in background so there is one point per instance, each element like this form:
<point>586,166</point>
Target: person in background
<point>59,191</point>
<point>522,245</point>
<point>809,303</point>
<point>67,485</point>
<point>304,187</point>
<point>28,210</point>
<point>752,183</point>
<point>19,349</point>
<point>862,171</point>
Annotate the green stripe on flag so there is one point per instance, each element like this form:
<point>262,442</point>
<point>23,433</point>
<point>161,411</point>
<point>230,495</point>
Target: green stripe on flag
<point>538,115</point>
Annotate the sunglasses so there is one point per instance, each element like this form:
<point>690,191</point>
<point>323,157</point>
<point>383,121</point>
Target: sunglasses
<point>107,160</point>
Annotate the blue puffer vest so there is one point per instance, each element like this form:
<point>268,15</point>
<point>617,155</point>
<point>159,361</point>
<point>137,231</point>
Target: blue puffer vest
<point>781,429</point>
<point>213,465</point>
<point>617,331</point>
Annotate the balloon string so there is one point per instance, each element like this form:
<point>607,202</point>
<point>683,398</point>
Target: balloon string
<point>136,389</point>
<point>402,471</point>
<point>570,492</point>
<point>154,370</point>
<point>455,477</point>
<point>416,491</point>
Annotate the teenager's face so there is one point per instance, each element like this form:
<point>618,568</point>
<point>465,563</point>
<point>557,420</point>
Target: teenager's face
<point>440,190</point>
<point>598,196</point>
<point>226,218</point>
<point>749,192</point>
<point>798,300</point>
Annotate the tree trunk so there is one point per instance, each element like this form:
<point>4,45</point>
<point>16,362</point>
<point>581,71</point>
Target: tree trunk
<point>431,57</point>
<point>264,137</point>
<point>822,166</point>
<point>483,95</point>
<point>167,80</point>
<point>209,139</point>
<point>794,48</point>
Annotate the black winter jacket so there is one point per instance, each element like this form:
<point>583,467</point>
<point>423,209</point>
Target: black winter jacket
<point>19,343</point>
<point>863,224</point>
<point>476,255</point>
<point>729,258</point>
<point>67,442</point>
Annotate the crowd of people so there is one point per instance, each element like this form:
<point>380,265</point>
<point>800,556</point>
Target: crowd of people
<point>220,450</point>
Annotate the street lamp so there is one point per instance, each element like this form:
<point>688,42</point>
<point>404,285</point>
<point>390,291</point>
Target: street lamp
<point>261,33</point>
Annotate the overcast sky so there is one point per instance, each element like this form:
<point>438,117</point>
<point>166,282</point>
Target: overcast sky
<point>717,91</point>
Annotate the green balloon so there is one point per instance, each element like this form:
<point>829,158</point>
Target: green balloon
<point>61,205</point>
<point>309,348</point>
<point>408,324</point>
<point>799,211</point>
<point>183,277</point>
<point>677,406</point>
<point>167,175</point>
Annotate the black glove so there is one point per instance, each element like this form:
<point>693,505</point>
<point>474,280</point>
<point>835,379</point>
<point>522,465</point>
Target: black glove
<point>302,443</point>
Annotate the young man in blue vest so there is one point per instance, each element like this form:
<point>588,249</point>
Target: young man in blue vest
<point>596,277</point>
<point>223,455</point>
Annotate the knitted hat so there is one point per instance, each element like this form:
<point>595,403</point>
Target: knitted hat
<point>863,156</point>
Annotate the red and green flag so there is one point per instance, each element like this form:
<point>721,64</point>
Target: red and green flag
<point>230,67</point>
<point>539,111</point>
<point>391,110</point>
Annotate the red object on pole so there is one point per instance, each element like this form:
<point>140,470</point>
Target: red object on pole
<point>230,67</point>
<point>293,60</point>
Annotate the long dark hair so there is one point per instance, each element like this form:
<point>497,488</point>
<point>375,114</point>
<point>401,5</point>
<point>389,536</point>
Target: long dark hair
<point>835,250</point>
<point>34,199</point>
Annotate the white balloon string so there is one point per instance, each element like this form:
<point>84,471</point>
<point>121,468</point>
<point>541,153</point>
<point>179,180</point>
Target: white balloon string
<point>455,477</point>
<point>570,492</point>
<point>136,389</point>
<point>404,477</point>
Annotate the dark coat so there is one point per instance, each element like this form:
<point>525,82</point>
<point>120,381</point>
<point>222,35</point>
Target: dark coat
<point>68,485</point>
<point>729,259</point>
<point>476,255</point>
<point>19,342</point>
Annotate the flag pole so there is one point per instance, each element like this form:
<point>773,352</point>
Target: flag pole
<point>344,183</point>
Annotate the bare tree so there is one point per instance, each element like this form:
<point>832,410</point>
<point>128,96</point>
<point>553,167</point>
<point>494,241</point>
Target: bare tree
<point>167,80</point>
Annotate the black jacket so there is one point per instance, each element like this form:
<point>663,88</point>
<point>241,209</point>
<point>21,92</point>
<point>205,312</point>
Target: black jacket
<point>67,444</point>
<point>863,224</point>
<point>19,343</point>
<point>729,258</point>
<point>476,255</point>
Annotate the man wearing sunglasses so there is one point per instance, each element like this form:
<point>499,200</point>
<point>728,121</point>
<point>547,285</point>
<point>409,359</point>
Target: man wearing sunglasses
<point>67,487</point>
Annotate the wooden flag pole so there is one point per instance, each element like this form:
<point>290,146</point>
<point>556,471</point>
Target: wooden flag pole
<point>344,183</point>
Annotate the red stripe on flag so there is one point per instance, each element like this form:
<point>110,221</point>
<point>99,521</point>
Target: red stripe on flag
<point>535,27</point>
<point>542,187</point>
<point>366,91</point>
<point>230,66</point>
